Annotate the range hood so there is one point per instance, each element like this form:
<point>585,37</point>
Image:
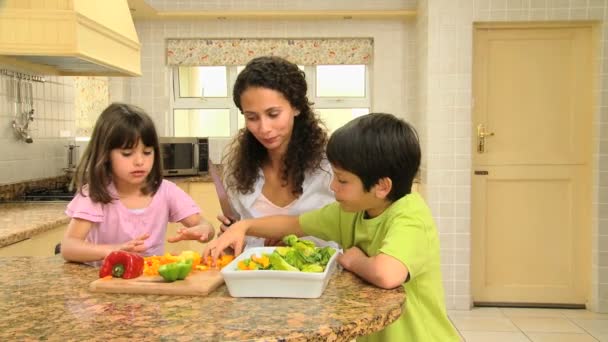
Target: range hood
<point>69,37</point>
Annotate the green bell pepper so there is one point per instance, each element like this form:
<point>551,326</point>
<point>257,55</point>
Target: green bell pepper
<point>176,270</point>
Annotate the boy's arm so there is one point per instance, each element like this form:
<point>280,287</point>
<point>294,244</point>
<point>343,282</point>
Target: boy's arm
<point>381,270</point>
<point>273,227</point>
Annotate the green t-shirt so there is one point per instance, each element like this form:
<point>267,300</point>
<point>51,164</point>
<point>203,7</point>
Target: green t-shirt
<point>405,231</point>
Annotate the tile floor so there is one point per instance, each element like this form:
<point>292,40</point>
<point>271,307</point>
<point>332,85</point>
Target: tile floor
<point>525,325</point>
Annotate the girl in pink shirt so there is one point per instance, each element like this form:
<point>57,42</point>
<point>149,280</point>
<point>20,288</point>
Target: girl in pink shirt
<point>123,203</point>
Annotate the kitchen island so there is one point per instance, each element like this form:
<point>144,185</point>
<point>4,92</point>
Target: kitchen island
<point>45,298</point>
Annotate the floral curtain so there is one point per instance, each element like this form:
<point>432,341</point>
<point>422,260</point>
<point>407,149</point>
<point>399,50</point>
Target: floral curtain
<point>240,51</point>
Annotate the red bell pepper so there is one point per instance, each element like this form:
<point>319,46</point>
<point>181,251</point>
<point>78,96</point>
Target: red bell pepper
<point>121,264</point>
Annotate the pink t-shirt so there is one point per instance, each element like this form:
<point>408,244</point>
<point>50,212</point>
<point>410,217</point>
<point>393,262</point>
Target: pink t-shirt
<point>113,223</point>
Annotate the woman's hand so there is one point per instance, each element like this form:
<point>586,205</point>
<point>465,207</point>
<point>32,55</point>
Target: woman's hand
<point>225,223</point>
<point>233,237</point>
<point>202,232</point>
<point>136,245</point>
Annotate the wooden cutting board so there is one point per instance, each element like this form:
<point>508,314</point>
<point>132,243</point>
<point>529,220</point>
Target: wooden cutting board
<point>196,284</point>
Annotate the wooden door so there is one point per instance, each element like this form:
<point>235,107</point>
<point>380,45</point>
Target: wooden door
<point>531,183</point>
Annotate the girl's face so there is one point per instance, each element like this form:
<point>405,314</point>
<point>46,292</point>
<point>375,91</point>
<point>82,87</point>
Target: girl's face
<point>131,166</point>
<point>269,117</point>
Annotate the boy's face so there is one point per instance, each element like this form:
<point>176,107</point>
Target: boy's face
<point>349,192</point>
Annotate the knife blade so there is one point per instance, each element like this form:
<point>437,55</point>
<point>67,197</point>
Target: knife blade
<point>222,195</point>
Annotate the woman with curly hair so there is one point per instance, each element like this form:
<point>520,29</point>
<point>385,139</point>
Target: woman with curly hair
<point>276,164</point>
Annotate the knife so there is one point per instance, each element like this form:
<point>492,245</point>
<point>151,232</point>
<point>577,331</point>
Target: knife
<point>222,195</point>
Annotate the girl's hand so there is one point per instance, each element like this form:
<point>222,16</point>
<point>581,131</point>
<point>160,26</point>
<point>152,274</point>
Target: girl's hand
<point>233,237</point>
<point>203,232</point>
<point>136,245</point>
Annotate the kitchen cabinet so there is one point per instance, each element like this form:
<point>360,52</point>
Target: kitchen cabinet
<point>205,197</point>
<point>42,244</point>
<point>68,38</point>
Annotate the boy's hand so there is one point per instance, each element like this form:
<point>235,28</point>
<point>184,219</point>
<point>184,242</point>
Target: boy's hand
<point>233,237</point>
<point>350,257</point>
<point>203,232</point>
<point>136,245</point>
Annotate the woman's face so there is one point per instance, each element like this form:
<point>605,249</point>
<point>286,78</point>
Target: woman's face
<point>269,117</point>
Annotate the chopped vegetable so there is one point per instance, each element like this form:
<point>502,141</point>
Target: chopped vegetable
<point>175,271</point>
<point>298,255</point>
<point>278,263</point>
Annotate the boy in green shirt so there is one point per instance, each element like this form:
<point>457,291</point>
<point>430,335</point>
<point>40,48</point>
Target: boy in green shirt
<point>387,233</point>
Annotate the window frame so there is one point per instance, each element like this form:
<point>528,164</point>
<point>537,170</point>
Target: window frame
<point>193,103</point>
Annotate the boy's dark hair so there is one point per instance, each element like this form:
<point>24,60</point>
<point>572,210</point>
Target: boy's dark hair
<point>375,146</point>
<point>119,126</point>
<point>308,139</point>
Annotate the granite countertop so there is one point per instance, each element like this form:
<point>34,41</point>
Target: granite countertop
<point>48,299</point>
<point>22,220</point>
<point>203,177</point>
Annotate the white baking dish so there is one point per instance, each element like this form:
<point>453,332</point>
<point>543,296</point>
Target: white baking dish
<point>271,283</point>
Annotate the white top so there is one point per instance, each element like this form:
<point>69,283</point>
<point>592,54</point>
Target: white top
<point>316,194</point>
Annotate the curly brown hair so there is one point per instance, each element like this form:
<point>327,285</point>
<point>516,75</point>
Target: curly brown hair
<point>308,139</point>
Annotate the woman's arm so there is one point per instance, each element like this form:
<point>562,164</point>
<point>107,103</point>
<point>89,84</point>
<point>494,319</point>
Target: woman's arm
<point>75,248</point>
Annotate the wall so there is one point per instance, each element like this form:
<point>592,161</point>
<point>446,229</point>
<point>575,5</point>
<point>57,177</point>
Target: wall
<point>392,39</point>
<point>51,129</point>
<point>449,26</point>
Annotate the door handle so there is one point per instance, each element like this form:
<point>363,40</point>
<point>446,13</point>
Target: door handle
<point>481,138</point>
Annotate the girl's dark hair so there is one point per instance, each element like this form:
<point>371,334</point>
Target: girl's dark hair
<point>375,146</point>
<point>119,126</point>
<point>308,139</point>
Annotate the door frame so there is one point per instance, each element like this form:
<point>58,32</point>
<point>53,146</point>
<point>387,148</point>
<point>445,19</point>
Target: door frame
<point>595,28</point>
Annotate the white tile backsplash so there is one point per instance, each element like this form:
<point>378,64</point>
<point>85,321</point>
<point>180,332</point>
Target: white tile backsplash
<point>54,112</point>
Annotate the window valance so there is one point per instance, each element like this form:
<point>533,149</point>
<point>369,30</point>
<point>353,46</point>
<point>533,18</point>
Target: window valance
<point>239,51</point>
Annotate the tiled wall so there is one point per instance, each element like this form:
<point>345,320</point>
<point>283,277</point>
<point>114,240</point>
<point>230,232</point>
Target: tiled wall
<point>447,122</point>
<point>444,92</point>
<point>52,128</point>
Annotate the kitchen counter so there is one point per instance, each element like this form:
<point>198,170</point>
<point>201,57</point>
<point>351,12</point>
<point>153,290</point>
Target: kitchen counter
<point>204,177</point>
<point>48,299</point>
<point>22,220</point>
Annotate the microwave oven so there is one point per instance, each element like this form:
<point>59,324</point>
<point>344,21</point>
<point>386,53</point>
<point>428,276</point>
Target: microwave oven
<point>184,156</point>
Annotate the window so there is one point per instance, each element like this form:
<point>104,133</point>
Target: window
<point>203,106</point>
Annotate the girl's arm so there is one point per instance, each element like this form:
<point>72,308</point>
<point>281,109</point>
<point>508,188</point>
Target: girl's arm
<point>75,248</point>
<point>197,228</point>
<point>381,270</point>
